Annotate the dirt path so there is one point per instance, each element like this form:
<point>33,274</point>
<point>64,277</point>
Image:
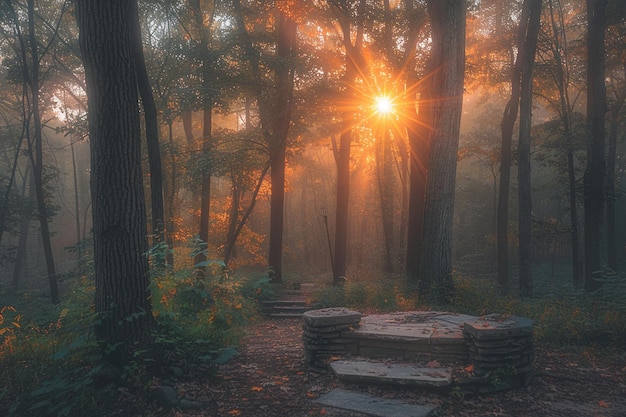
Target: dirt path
<point>269,378</point>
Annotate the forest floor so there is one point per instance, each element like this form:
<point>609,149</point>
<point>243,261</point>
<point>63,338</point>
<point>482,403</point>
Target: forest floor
<point>270,378</point>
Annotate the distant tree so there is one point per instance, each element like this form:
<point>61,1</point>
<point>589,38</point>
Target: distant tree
<point>119,218</point>
<point>559,71</point>
<point>507,125</point>
<point>447,20</point>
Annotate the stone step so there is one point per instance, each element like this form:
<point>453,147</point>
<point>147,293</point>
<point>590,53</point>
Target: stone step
<point>373,406</point>
<point>403,374</point>
<point>290,309</point>
<point>285,315</point>
<point>284,303</point>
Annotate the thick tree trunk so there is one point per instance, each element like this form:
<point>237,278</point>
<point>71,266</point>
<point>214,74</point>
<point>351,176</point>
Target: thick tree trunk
<point>447,19</point>
<point>119,217</point>
<point>524,170</point>
<point>594,179</point>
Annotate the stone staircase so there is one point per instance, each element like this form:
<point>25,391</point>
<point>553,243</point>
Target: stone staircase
<point>435,351</point>
<point>292,303</point>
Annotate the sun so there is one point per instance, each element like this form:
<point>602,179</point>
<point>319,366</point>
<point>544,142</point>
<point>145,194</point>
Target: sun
<point>383,105</point>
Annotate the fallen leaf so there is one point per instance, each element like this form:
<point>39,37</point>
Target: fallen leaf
<point>257,389</point>
<point>234,412</point>
<point>603,404</point>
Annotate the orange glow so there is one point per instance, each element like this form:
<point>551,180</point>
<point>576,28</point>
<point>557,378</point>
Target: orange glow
<point>383,105</point>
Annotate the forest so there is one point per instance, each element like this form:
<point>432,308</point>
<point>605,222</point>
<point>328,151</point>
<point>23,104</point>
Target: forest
<point>167,165</point>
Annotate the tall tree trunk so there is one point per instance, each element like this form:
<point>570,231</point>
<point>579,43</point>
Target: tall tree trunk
<point>152,131</point>
<point>207,95</point>
<point>447,19</point>
<point>343,199</point>
<point>285,49</point>
<point>355,64</point>
<point>524,170</point>
<point>122,276</point>
<point>506,126</point>
<point>37,162</point>
<point>594,178</point>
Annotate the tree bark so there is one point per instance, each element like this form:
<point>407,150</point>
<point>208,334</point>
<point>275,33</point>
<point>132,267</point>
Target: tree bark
<point>447,19</point>
<point>526,102</point>
<point>595,176</point>
<point>119,218</point>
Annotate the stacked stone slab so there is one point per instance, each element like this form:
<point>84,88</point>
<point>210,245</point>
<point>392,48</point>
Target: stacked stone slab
<point>325,333</point>
<point>500,350</point>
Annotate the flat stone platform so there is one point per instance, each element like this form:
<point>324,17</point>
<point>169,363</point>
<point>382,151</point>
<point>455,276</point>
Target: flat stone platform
<point>421,335</point>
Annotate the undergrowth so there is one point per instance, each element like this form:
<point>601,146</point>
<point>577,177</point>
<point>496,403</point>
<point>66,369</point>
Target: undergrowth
<point>51,363</point>
<point>565,316</point>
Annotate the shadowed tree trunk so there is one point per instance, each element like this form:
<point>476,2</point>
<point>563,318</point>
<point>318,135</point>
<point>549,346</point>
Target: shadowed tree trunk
<point>526,102</point>
<point>122,276</point>
<point>595,176</point>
